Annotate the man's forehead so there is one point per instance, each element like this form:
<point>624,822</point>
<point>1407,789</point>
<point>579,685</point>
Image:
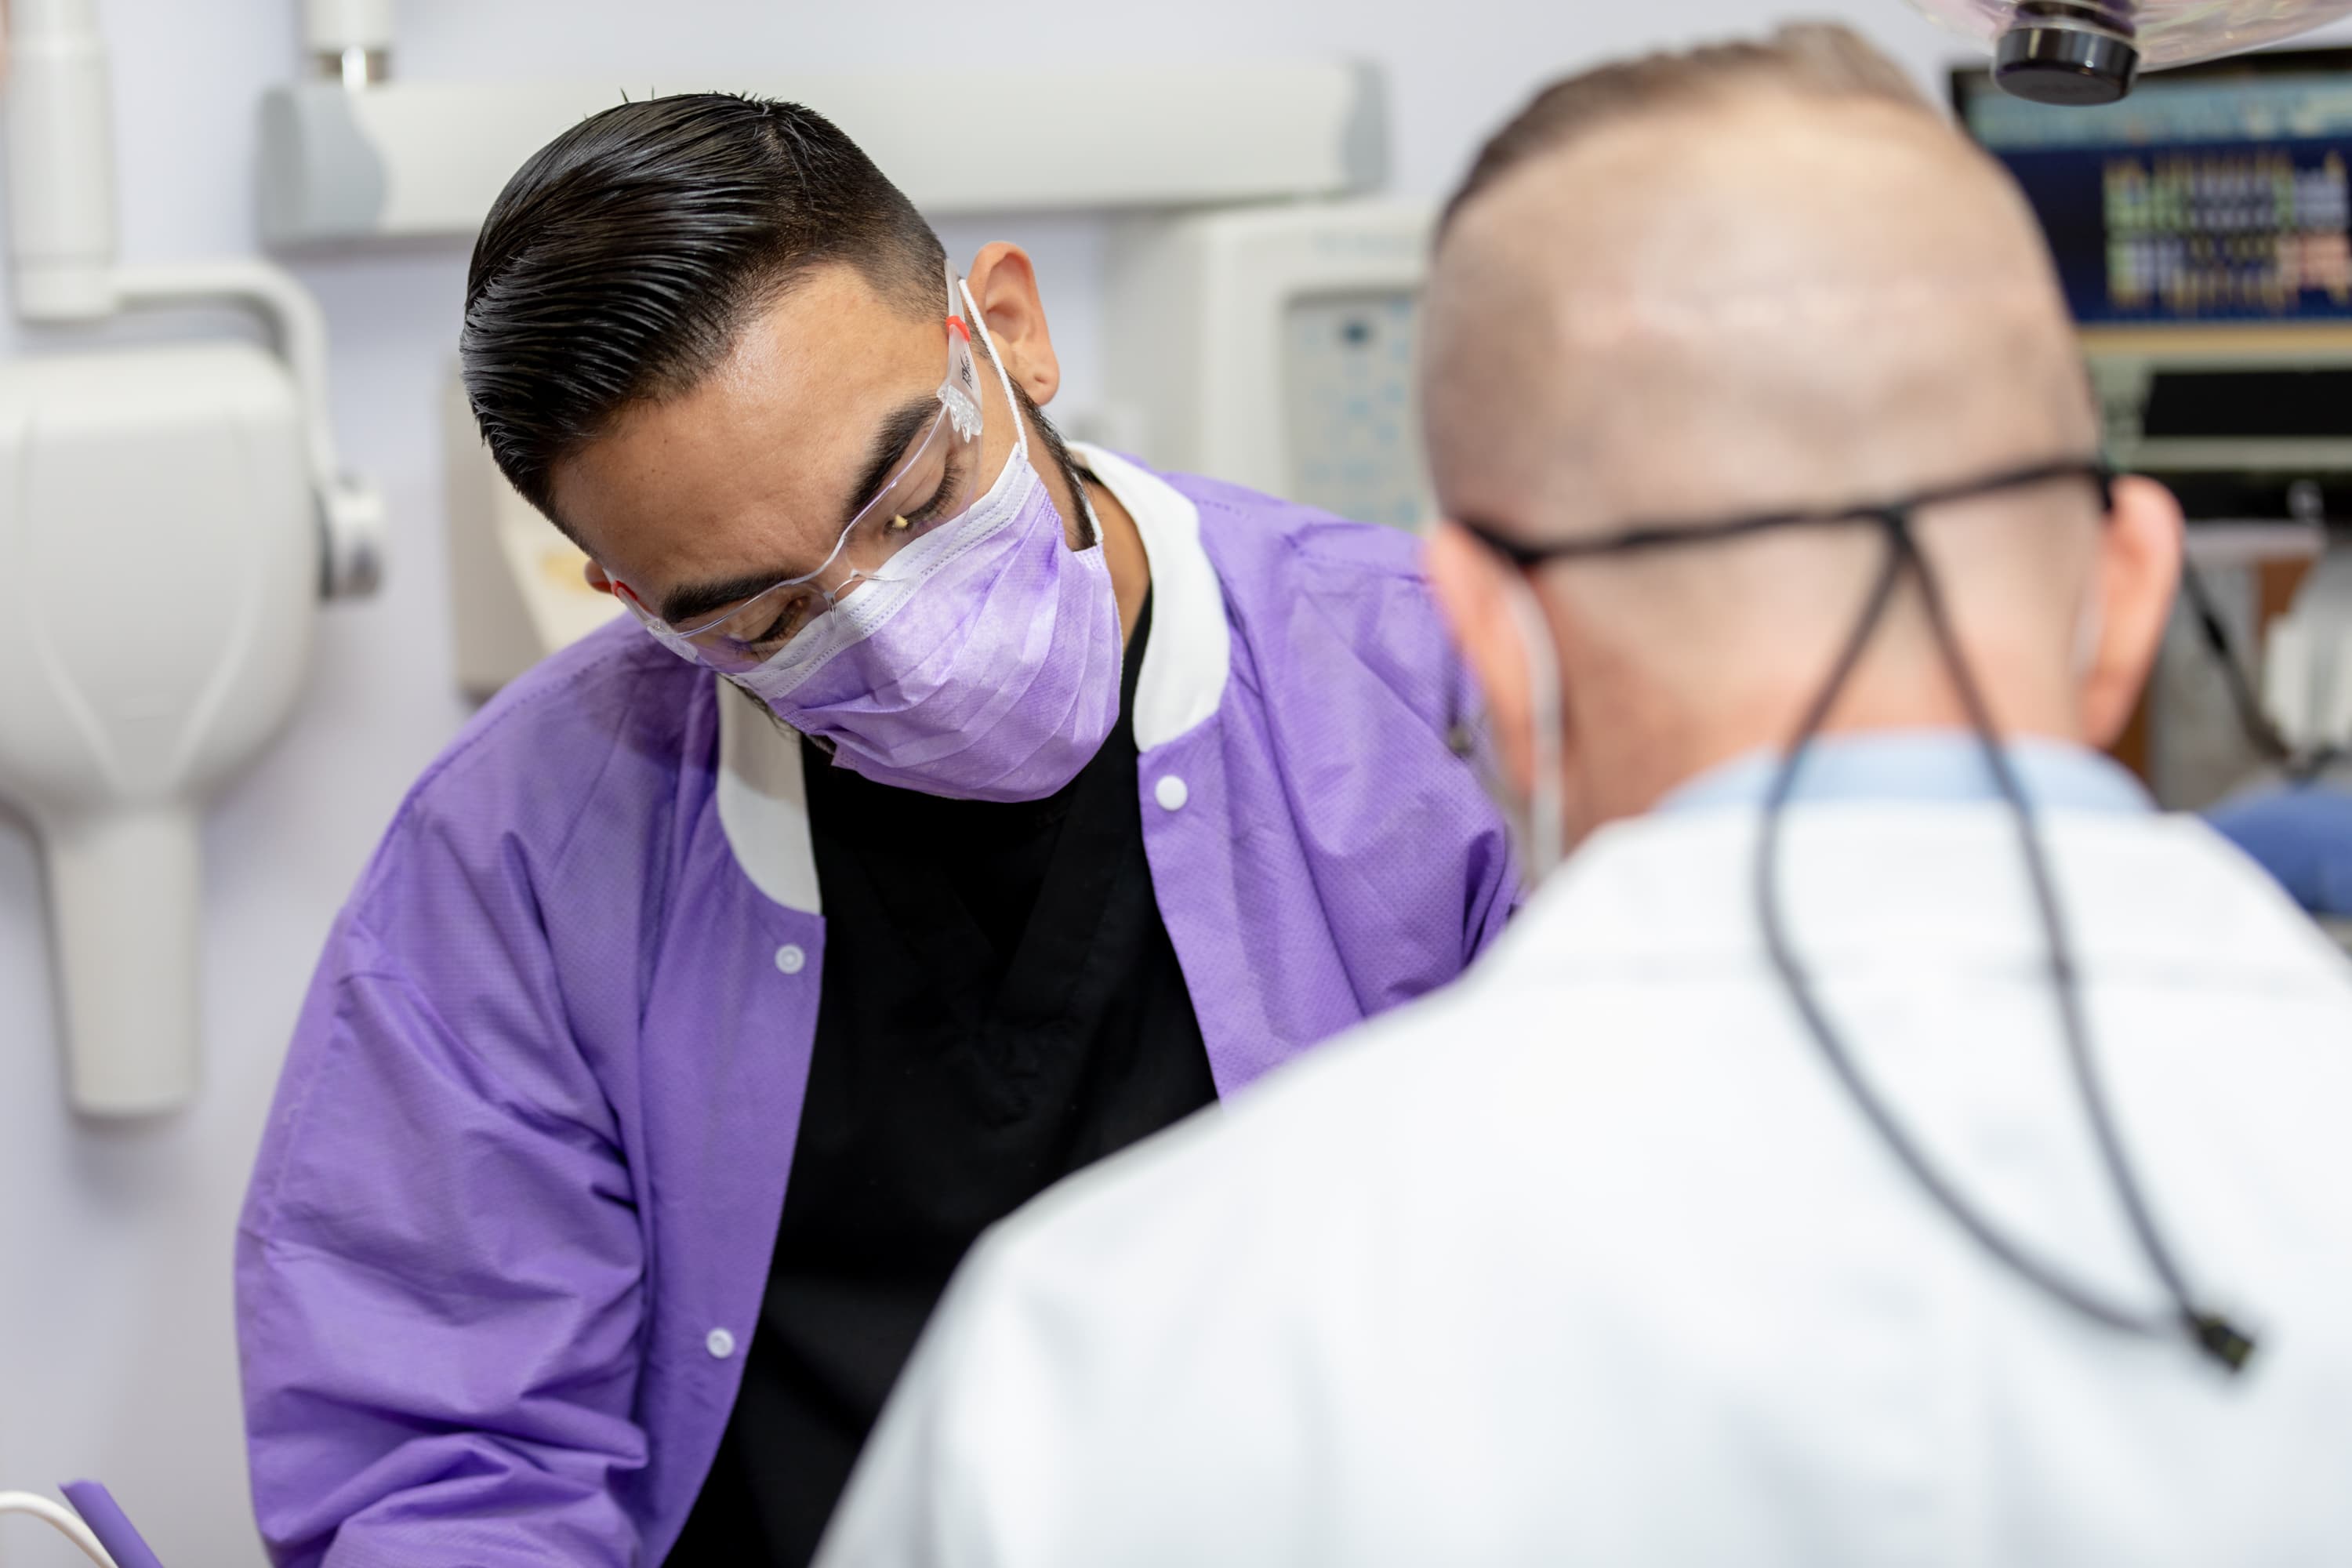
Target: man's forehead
<point>821,325</point>
<point>768,443</point>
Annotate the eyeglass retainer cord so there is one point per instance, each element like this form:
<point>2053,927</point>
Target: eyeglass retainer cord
<point>2210,1331</point>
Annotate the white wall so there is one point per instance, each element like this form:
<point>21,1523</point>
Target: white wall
<point>115,1349</point>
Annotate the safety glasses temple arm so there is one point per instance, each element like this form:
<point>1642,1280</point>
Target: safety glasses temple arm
<point>1661,536</point>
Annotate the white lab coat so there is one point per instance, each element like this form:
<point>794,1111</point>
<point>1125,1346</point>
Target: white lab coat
<point>1588,1260</point>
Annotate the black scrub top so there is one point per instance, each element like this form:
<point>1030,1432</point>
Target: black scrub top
<point>1001,1007</point>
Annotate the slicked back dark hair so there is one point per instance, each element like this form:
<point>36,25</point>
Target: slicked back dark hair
<point>619,265</point>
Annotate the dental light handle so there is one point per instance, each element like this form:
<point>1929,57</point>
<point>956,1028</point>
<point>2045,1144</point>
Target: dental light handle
<point>62,1518</point>
<point>2083,52</point>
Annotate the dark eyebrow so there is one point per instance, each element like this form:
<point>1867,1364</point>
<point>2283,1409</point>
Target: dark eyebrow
<point>884,453</point>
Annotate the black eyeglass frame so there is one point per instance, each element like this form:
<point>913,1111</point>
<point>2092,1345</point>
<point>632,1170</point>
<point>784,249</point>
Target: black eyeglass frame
<point>1669,535</point>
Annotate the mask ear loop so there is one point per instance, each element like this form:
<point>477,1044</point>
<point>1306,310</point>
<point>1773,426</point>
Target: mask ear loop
<point>2214,1334</point>
<point>1019,425</point>
<point>1543,841</point>
<point>977,331</point>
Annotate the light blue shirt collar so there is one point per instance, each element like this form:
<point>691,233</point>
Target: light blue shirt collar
<point>1922,765</point>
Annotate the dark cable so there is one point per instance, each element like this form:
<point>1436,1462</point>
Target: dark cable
<point>2211,1332</point>
<point>2262,735</point>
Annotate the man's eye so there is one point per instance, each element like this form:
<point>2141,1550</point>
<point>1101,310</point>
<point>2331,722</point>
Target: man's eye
<point>779,625</point>
<point>912,521</point>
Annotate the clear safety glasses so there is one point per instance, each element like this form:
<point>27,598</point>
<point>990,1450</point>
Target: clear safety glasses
<point>931,488</point>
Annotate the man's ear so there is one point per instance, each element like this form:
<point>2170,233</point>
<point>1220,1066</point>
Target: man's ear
<point>2138,567</point>
<point>1467,581</point>
<point>1003,284</point>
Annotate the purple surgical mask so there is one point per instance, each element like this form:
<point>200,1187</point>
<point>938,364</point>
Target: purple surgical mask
<point>986,666</point>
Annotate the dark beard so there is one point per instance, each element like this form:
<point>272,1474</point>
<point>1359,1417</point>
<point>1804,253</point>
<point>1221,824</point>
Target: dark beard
<point>1059,451</point>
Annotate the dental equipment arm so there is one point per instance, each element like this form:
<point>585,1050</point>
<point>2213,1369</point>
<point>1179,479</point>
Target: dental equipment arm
<point>350,510</point>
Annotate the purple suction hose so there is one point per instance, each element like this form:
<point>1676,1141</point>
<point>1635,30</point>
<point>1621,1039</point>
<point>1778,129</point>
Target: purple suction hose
<point>110,1524</point>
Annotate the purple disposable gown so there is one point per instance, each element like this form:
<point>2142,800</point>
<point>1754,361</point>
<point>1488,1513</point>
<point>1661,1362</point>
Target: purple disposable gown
<point>511,1223</point>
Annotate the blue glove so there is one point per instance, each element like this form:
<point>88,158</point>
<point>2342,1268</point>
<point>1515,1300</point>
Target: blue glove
<point>2302,836</point>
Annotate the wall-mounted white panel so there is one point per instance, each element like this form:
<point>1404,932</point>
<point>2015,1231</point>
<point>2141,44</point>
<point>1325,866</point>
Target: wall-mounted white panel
<point>1273,347</point>
<point>428,158</point>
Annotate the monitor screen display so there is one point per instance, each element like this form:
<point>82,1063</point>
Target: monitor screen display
<point>2216,193</point>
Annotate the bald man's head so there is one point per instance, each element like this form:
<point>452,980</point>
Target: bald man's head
<point>1762,278</point>
<point>1734,279</point>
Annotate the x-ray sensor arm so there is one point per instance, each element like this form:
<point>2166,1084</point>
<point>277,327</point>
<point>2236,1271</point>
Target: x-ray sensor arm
<point>350,510</point>
<point>169,518</point>
<point>61,241</point>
